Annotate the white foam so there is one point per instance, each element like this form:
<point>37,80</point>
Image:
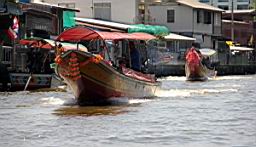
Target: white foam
<point>52,101</point>
<point>172,78</point>
<point>231,77</point>
<point>172,93</point>
<point>219,90</point>
<point>138,101</point>
<point>189,92</point>
<point>126,100</point>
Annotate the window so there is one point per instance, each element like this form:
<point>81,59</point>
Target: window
<point>171,45</point>
<point>217,19</point>
<point>161,44</point>
<point>207,17</point>
<point>67,5</point>
<point>204,1</point>
<point>199,16</point>
<point>224,7</point>
<point>241,7</point>
<point>102,11</point>
<point>242,0</point>
<point>223,0</point>
<point>170,16</point>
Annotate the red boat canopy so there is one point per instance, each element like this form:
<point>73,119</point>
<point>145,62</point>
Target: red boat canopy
<point>78,34</point>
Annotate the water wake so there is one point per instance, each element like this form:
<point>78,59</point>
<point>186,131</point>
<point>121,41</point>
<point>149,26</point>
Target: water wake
<point>52,101</point>
<point>127,101</point>
<point>190,92</point>
<point>173,93</point>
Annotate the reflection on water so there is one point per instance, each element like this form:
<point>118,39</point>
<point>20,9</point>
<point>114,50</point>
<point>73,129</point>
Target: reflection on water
<point>90,110</point>
<point>115,106</point>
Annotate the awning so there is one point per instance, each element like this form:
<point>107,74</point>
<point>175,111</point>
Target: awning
<point>173,36</point>
<point>240,48</point>
<point>78,34</point>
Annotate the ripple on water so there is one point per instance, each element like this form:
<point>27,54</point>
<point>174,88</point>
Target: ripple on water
<point>219,112</point>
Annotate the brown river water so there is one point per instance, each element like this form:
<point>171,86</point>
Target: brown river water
<point>219,112</point>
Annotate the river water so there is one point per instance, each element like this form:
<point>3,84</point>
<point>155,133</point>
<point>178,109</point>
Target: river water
<point>219,112</point>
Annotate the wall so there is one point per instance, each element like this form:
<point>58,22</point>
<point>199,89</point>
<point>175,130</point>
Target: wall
<point>121,10</point>
<point>183,17</point>
<point>202,27</point>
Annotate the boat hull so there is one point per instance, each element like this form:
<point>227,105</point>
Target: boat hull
<point>196,72</point>
<point>99,82</point>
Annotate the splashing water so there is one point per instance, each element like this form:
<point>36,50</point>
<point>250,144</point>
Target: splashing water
<point>52,101</point>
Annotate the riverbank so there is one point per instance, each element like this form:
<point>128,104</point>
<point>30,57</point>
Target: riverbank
<point>179,70</point>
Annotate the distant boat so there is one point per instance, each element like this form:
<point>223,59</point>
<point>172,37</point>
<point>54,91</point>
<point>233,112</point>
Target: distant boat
<point>194,68</point>
<point>95,79</point>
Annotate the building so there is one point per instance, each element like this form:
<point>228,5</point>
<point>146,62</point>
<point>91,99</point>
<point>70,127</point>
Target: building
<point>227,4</point>
<point>105,10</point>
<point>190,18</point>
<point>27,20</point>
<point>244,26</point>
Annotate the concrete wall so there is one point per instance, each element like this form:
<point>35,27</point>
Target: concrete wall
<point>183,17</point>
<point>216,3</point>
<point>186,22</point>
<point>121,10</point>
<point>201,27</point>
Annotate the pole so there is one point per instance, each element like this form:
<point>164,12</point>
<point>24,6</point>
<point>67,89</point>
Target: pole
<point>28,81</point>
<point>145,12</point>
<point>232,20</point>
<point>92,7</point>
<point>1,50</point>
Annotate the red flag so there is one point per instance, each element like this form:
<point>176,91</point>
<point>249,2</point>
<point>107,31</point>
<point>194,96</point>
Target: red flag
<point>13,30</point>
<point>15,26</point>
<point>11,34</point>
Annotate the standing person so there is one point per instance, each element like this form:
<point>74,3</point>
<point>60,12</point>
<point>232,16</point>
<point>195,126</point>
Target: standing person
<point>192,55</point>
<point>135,57</point>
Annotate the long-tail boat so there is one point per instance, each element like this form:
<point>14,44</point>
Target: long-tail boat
<point>194,68</point>
<point>96,76</point>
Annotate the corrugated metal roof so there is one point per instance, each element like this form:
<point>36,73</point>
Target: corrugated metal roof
<point>198,5</point>
<point>56,6</point>
<point>173,36</point>
<point>240,48</point>
<point>104,23</point>
<point>99,27</point>
<point>237,22</point>
<point>241,11</point>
